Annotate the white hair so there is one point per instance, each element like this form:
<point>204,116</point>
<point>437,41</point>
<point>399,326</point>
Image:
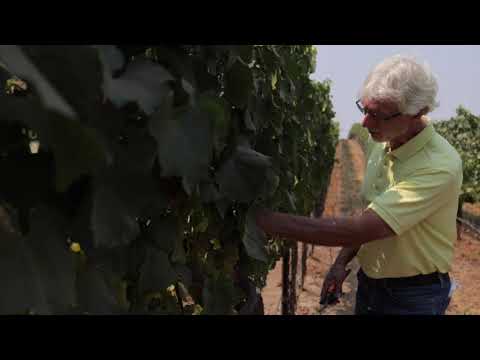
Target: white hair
<point>404,81</point>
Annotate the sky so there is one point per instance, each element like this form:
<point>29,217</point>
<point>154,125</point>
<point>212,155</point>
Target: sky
<point>457,68</point>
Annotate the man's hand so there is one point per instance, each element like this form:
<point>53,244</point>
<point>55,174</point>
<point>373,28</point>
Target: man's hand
<point>261,218</point>
<point>332,285</point>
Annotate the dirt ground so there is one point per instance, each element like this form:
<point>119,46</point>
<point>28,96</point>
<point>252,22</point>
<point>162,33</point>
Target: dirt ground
<point>343,199</point>
<point>471,212</point>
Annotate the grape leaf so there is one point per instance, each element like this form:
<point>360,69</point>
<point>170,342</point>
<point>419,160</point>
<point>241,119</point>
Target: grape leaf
<point>253,238</point>
<point>55,262</point>
<point>143,82</point>
<point>112,58</point>
<point>238,84</point>
<point>156,273</point>
<point>77,148</point>
<point>113,223</point>
<point>95,296</point>
<point>76,72</point>
<point>242,177</point>
<point>220,296</point>
<point>19,278</point>
<point>20,65</point>
<point>184,140</point>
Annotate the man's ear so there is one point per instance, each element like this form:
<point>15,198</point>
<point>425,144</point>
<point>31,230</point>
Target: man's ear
<point>422,112</point>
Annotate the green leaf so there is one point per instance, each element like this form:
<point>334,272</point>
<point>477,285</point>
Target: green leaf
<point>156,273</point>
<point>112,58</point>
<point>55,261</point>
<point>130,51</point>
<point>78,149</point>
<point>18,170</point>
<point>184,140</point>
<point>249,125</point>
<point>19,64</point>
<point>5,75</point>
<point>208,192</point>
<point>113,223</point>
<point>120,199</point>
<point>175,59</point>
<point>113,262</point>
<point>219,296</point>
<point>138,152</point>
<point>244,52</point>
<point>203,226</point>
<point>274,81</point>
<point>222,206</point>
<point>164,232</point>
<point>284,91</point>
<point>184,274</point>
<point>253,238</point>
<point>291,200</point>
<point>242,177</point>
<point>95,295</point>
<point>238,84</point>
<point>216,109</point>
<point>271,183</point>
<point>143,82</point>
<point>19,277</point>
<point>76,72</point>
<point>249,157</point>
<point>204,81</point>
<point>271,59</point>
<point>293,68</point>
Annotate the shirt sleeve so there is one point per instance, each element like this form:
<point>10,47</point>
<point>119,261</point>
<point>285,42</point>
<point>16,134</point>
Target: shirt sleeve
<point>414,199</point>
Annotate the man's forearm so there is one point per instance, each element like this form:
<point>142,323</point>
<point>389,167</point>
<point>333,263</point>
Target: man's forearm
<point>318,231</point>
<point>346,255</point>
<point>350,231</point>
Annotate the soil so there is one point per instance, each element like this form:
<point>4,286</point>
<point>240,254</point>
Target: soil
<point>343,199</point>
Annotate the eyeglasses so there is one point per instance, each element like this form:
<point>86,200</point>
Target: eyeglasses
<point>372,114</point>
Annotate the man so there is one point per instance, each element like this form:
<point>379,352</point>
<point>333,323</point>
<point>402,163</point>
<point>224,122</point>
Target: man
<point>404,240</point>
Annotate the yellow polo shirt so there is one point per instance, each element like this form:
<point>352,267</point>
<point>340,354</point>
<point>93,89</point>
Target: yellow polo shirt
<point>415,190</point>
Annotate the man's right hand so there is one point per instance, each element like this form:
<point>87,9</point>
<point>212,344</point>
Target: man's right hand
<point>332,285</point>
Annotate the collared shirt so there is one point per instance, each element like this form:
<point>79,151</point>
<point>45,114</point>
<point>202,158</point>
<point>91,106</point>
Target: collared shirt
<point>415,190</point>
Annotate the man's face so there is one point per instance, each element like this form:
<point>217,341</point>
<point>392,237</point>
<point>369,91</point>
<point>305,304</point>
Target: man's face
<point>381,127</point>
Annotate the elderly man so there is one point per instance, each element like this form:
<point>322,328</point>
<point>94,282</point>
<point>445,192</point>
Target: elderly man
<point>404,240</point>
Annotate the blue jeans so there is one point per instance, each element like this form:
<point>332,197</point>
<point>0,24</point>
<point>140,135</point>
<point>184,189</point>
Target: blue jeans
<point>379,297</point>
